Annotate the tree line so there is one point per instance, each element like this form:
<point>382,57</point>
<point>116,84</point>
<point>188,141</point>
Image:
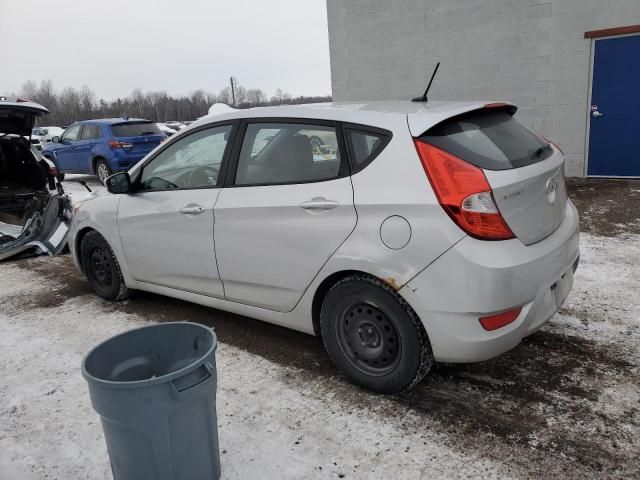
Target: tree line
<point>70,104</point>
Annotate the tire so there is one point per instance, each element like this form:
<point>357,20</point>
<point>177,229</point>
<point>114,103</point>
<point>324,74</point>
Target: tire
<point>103,170</point>
<point>101,268</point>
<point>373,336</point>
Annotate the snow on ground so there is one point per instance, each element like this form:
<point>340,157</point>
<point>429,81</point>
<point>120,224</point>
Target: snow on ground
<point>268,427</point>
<point>563,404</point>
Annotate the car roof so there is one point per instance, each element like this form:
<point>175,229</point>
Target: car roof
<point>111,121</point>
<point>419,115</point>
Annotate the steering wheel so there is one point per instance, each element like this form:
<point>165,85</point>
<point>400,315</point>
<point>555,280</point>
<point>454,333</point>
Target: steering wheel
<point>199,177</point>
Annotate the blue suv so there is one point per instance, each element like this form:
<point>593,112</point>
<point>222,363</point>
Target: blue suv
<point>103,146</point>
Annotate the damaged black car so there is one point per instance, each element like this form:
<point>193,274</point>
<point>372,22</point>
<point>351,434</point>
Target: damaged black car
<point>35,213</point>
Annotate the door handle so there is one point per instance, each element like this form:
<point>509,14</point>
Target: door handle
<point>192,209</point>
<point>319,205</point>
<point>596,114</point>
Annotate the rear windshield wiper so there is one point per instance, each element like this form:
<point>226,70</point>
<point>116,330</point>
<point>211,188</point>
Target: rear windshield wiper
<point>148,133</point>
<point>538,153</point>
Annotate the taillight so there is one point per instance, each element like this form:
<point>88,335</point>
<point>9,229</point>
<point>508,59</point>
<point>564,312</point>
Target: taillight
<point>499,320</point>
<point>464,193</point>
<point>117,144</point>
<point>53,171</point>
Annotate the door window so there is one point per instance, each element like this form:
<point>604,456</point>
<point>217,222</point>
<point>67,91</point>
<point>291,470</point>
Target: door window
<point>277,153</point>
<point>191,162</point>
<point>72,133</point>
<point>89,132</point>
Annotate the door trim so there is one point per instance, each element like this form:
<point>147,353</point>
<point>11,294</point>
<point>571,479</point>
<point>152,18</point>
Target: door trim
<point>595,38</point>
<point>610,32</point>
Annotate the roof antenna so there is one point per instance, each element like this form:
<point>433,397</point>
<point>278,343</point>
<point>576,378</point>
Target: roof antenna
<point>423,98</point>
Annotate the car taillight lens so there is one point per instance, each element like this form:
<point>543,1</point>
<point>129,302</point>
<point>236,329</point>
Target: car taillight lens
<point>53,171</point>
<point>116,144</point>
<point>464,193</point>
<point>499,320</point>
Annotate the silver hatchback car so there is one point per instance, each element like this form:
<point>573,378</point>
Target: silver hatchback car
<point>402,233</point>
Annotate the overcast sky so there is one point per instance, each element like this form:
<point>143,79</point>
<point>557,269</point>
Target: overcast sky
<point>114,46</point>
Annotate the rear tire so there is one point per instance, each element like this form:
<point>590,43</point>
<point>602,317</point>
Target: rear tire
<point>101,268</point>
<point>103,170</point>
<point>373,336</point>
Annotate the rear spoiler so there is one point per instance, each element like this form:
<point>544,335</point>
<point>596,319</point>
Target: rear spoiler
<point>420,122</point>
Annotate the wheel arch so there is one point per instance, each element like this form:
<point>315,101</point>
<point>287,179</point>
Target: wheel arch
<point>325,286</point>
<point>94,161</point>
<point>78,242</point>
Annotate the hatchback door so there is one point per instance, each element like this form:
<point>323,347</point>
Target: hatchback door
<point>289,209</point>
<point>137,138</point>
<point>166,225</point>
<point>524,171</point>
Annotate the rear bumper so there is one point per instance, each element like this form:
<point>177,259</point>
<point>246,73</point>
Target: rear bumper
<point>477,278</point>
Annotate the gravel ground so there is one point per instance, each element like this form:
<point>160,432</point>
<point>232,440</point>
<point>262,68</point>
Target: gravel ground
<point>565,403</point>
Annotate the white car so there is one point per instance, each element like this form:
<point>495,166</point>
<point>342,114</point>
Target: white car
<point>166,130</point>
<point>429,232</point>
<point>45,134</point>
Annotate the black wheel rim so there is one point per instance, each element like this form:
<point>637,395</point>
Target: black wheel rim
<point>369,339</point>
<point>101,267</point>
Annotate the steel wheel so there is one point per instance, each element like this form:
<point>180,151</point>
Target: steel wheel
<point>101,267</point>
<point>369,339</point>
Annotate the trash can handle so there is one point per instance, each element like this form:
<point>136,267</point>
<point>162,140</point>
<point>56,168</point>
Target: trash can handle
<point>209,373</point>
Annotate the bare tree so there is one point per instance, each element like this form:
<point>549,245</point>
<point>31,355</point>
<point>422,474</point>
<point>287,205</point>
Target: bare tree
<point>255,97</point>
<point>70,105</point>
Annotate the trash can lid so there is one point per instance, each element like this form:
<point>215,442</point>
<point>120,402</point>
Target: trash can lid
<point>149,355</point>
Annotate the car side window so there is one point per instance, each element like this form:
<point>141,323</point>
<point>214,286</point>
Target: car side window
<point>89,132</point>
<point>365,145</point>
<point>190,162</point>
<point>71,133</point>
<point>277,153</point>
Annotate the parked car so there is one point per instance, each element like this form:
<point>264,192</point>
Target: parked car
<point>45,134</point>
<point>438,232</point>
<point>34,141</point>
<point>103,146</point>
<point>166,130</point>
<point>177,126</point>
<point>35,214</point>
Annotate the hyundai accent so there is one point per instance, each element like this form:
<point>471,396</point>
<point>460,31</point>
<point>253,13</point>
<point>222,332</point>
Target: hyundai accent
<point>402,233</point>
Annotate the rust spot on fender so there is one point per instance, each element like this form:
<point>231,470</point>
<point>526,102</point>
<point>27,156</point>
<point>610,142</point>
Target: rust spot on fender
<point>393,283</point>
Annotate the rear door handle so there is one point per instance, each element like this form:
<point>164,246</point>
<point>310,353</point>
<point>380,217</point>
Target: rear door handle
<point>192,209</point>
<point>319,205</point>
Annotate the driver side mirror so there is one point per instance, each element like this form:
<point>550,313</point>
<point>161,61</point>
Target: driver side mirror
<point>55,139</point>
<point>119,183</point>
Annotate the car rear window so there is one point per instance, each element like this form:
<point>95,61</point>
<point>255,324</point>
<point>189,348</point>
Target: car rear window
<point>131,129</point>
<point>492,140</point>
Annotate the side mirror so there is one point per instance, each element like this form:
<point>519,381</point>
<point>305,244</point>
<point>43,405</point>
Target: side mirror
<point>119,183</point>
<point>55,139</point>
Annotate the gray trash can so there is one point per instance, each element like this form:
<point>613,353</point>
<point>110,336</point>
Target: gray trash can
<point>155,391</point>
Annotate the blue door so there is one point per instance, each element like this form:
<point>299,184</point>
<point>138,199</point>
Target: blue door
<point>614,134</point>
<point>66,159</point>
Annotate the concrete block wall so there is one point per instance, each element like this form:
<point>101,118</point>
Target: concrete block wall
<point>530,52</point>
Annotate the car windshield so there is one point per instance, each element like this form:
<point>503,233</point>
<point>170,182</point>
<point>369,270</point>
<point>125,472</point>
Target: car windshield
<point>134,129</point>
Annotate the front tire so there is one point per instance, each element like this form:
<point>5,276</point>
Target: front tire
<point>103,170</point>
<point>101,268</point>
<point>373,336</point>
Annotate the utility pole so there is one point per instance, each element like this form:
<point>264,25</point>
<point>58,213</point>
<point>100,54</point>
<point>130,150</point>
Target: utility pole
<point>234,82</point>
